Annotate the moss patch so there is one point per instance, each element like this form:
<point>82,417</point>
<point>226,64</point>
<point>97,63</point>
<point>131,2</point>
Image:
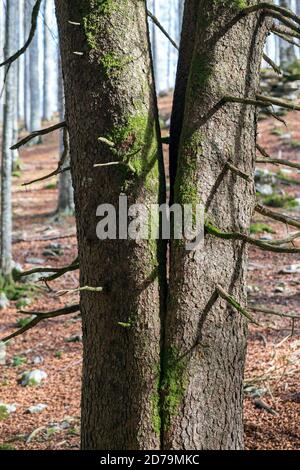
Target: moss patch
<point>259,228</point>
<point>174,383</point>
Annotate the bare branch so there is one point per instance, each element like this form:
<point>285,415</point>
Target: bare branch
<point>259,308</point>
<point>278,102</point>
<point>276,216</point>
<point>263,151</point>
<point>265,246</point>
<point>35,134</point>
<point>71,267</point>
<point>34,16</point>
<point>286,34</point>
<point>40,316</point>
<point>272,64</point>
<point>279,161</point>
<point>79,289</point>
<point>160,26</point>
<point>237,171</point>
<point>234,303</point>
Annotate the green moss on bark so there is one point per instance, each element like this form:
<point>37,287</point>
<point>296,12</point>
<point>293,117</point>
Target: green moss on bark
<point>174,383</point>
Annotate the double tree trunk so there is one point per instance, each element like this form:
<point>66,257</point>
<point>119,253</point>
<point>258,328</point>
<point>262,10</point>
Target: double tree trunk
<point>109,93</point>
<point>151,381</point>
<point>205,340</point>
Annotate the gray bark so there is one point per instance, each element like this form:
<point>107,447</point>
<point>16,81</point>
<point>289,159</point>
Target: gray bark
<point>27,20</point>
<point>205,341</point>
<point>35,95</point>
<point>49,64</point>
<point>8,126</point>
<point>287,53</point>
<point>110,93</point>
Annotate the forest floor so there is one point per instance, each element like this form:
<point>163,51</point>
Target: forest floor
<point>273,361</point>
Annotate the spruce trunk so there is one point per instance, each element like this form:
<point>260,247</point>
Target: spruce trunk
<point>109,93</point>
<point>205,341</point>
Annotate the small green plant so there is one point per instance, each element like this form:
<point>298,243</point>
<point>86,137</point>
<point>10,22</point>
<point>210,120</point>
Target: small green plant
<point>277,131</point>
<point>58,354</point>
<point>278,201</point>
<point>24,302</point>
<point>3,413</point>
<point>50,186</point>
<point>286,179</point>
<point>24,321</point>
<point>6,447</point>
<point>15,291</point>
<point>259,228</point>
<point>18,361</point>
<point>295,144</point>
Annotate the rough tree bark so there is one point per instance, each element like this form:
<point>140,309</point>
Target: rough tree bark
<point>110,93</point>
<point>205,340</point>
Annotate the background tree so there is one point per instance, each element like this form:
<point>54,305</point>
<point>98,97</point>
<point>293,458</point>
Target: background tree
<point>287,53</point>
<point>49,61</point>
<point>35,96</point>
<point>8,134</point>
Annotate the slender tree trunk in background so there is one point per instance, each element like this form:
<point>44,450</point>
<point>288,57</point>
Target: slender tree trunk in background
<point>6,163</point>
<point>21,63</point>
<point>180,8</point>
<point>15,153</point>
<point>110,93</point>
<point>27,16</point>
<point>287,51</point>
<point>205,340</point>
<point>65,188</point>
<point>48,62</point>
<point>155,8</point>
<point>35,95</point>
<point>2,39</point>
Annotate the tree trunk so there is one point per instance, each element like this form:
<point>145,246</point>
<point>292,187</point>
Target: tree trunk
<point>8,126</point>
<point>205,339</point>
<point>287,51</point>
<point>35,95</point>
<point>49,68</point>
<point>27,16</point>
<point>110,93</point>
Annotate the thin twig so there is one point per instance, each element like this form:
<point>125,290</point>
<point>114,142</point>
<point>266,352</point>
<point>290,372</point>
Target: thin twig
<point>34,16</point>
<point>276,216</point>
<point>265,246</point>
<point>234,303</point>
<point>40,132</point>
<point>160,26</point>
<point>40,316</point>
<point>279,161</point>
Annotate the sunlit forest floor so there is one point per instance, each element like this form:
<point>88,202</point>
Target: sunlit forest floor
<point>273,364</point>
